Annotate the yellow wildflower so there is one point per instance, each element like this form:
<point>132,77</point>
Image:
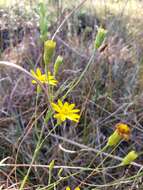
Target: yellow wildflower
<point>122,132</point>
<point>65,111</point>
<point>131,156</point>
<point>77,188</point>
<point>42,77</point>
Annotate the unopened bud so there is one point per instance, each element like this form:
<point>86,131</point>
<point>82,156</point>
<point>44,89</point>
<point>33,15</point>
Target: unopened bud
<point>122,132</point>
<point>130,157</point>
<point>114,139</point>
<point>49,47</point>
<point>58,63</point>
<point>52,163</point>
<point>101,34</point>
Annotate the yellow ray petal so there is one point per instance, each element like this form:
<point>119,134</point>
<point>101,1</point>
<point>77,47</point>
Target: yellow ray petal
<point>68,188</point>
<point>60,103</point>
<point>38,71</point>
<point>60,117</point>
<point>55,107</point>
<point>33,73</point>
<point>75,111</point>
<point>72,106</point>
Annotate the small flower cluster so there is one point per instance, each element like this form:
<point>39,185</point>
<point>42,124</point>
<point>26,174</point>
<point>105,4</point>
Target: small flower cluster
<point>46,78</point>
<point>63,110</point>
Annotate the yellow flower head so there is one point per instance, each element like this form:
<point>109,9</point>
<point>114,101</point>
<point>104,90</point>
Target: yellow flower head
<point>68,188</point>
<point>122,132</point>
<point>65,111</point>
<point>131,156</point>
<point>42,77</point>
<point>77,188</point>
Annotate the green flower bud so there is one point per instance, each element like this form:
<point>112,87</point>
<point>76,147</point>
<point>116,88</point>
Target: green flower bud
<point>52,163</point>
<point>122,132</point>
<point>49,47</point>
<point>130,157</point>
<point>114,139</point>
<point>51,166</point>
<point>101,34</point>
<point>58,63</point>
<point>60,173</point>
<point>39,90</point>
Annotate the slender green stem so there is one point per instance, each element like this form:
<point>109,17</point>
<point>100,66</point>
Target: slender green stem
<point>38,147</point>
<point>102,150</point>
<point>33,159</point>
<point>93,172</point>
<point>36,109</point>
